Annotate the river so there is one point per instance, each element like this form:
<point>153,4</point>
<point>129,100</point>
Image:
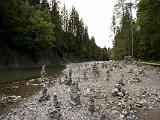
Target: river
<point>9,76</point>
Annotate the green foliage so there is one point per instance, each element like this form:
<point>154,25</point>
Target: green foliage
<point>27,27</point>
<point>122,39</point>
<point>148,23</point>
<point>146,31</point>
<point>33,29</point>
<point>34,26</point>
<point>34,2</point>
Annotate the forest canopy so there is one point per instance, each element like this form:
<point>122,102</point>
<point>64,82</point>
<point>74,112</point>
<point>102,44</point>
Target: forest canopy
<point>140,37</point>
<point>36,26</point>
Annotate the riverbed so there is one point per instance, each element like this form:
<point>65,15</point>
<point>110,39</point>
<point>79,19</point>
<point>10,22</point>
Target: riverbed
<point>114,91</point>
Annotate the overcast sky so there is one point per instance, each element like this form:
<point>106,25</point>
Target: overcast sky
<point>97,15</point>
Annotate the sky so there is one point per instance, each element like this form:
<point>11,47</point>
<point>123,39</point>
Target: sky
<point>97,15</point>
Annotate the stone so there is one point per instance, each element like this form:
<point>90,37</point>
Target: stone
<point>74,94</point>
<point>30,82</point>
<point>157,99</point>
<point>103,116</point>
<point>140,103</point>
<point>91,106</point>
<point>123,91</point>
<point>75,97</point>
<point>128,59</point>
<point>68,82</point>
<point>84,75</point>
<point>44,90</point>
<point>126,98</point>
<point>44,97</point>
<point>120,94</point>
<point>10,99</point>
<point>131,70</point>
<point>142,72</point>
<point>115,91</point>
<point>122,75</point>
<point>106,78</point>
<point>95,70</point>
<point>55,115</point>
<point>121,116</point>
<point>121,82</point>
<point>130,116</point>
<point>14,87</point>
<point>43,71</point>
<point>121,104</point>
<point>59,80</point>
<point>118,86</point>
<point>136,79</point>
<point>55,101</point>
<point>143,91</point>
<point>74,87</point>
<point>70,73</point>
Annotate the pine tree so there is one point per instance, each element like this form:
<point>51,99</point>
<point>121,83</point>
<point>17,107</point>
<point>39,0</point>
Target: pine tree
<point>148,28</point>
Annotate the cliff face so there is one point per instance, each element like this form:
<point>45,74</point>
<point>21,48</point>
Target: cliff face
<point>16,59</point>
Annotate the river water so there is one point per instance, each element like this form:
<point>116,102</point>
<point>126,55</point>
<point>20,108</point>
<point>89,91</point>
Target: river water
<point>8,76</point>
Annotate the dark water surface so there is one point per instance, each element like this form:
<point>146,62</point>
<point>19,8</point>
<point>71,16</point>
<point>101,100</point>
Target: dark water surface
<point>8,76</point>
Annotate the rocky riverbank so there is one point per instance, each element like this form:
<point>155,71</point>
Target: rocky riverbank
<point>95,91</point>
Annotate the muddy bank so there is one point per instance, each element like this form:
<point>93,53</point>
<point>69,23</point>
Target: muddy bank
<point>95,91</point>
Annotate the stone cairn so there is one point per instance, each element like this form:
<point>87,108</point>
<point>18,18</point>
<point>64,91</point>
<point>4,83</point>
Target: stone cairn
<point>103,116</point>
<point>68,81</point>
<point>56,103</point>
<point>139,64</point>
<point>108,75</point>
<point>121,81</point>
<point>91,102</point>
<point>85,75</point>
<point>74,94</point>
<point>95,70</point>
<point>118,88</point>
<point>104,65</point>
<point>142,72</point>
<point>55,113</point>
<point>43,73</point>
<point>91,106</point>
<point>117,91</point>
<point>44,95</point>
<point>136,79</point>
<point>128,59</point>
<point>125,100</point>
